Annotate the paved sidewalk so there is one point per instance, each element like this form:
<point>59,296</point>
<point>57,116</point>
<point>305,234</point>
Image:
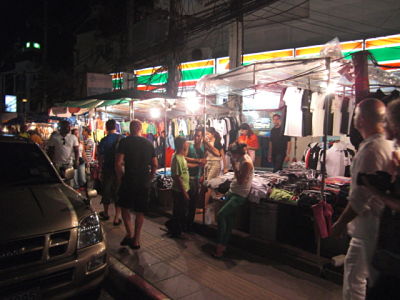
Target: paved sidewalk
<point>184,269</point>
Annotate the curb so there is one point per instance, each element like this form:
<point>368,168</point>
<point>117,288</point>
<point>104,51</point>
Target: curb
<point>128,283</point>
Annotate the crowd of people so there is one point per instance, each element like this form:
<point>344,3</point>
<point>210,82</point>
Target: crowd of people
<point>127,166</point>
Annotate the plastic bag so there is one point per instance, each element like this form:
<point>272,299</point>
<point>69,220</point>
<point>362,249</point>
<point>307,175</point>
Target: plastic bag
<point>332,49</point>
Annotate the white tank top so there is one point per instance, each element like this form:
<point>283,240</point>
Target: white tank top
<point>243,189</point>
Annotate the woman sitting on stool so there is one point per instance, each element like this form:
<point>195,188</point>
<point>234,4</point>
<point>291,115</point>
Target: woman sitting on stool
<point>239,190</point>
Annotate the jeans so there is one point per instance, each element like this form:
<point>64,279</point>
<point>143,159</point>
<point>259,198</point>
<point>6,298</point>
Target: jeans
<point>80,176</point>
<point>277,161</point>
<point>226,217</point>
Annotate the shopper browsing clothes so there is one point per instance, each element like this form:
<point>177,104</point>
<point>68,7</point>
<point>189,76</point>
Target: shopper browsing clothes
<point>239,190</point>
<point>89,145</point>
<point>80,172</point>
<point>107,151</point>
<point>247,136</point>
<point>214,158</point>
<point>196,161</point>
<point>362,214</point>
<point>135,166</point>
<point>279,145</point>
<point>63,148</point>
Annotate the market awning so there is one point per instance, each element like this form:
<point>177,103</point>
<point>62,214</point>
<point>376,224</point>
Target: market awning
<point>33,117</point>
<point>276,74</point>
<point>112,98</point>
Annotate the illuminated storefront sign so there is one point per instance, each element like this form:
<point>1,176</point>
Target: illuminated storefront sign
<point>385,50</point>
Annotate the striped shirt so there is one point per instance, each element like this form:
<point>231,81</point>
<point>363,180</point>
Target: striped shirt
<point>89,149</point>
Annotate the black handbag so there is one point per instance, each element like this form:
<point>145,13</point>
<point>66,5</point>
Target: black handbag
<point>386,258</point>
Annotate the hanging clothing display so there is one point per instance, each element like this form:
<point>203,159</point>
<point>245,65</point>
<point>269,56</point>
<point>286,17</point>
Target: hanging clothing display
<point>328,124</point>
<point>318,113</point>
<point>125,127</point>
<point>294,114</point>
<point>337,114</point>
<point>338,158</point>
<point>344,125</point>
<point>307,114</point>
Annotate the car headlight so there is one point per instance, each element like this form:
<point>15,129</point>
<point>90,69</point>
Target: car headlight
<point>89,231</point>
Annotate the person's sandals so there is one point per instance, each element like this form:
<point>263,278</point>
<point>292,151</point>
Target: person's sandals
<point>126,241</point>
<point>103,216</point>
<point>133,247</point>
<point>117,223</point>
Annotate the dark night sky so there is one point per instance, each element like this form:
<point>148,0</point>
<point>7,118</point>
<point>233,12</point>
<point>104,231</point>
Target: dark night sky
<point>22,20</point>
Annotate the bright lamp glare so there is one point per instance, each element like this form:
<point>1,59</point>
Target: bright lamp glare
<point>192,104</point>
<point>155,113</point>
<point>331,88</point>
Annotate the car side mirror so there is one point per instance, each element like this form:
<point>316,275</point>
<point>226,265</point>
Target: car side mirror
<point>92,194</point>
<point>69,174</point>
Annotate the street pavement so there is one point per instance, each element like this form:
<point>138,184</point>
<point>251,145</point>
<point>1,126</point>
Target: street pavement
<point>167,268</point>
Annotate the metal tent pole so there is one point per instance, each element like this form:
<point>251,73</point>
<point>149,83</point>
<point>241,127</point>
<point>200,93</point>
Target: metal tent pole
<point>204,134</point>
<point>165,138</point>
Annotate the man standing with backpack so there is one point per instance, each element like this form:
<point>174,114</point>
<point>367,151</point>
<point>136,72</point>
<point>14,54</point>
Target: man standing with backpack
<point>107,150</point>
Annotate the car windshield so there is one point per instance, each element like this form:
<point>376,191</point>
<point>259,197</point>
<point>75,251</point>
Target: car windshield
<point>22,163</point>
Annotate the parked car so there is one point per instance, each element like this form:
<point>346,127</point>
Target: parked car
<point>52,244</point>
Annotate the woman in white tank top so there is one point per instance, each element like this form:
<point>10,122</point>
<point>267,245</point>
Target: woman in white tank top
<point>239,190</point>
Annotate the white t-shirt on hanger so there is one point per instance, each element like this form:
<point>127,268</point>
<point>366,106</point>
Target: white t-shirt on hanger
<point>294,114</point>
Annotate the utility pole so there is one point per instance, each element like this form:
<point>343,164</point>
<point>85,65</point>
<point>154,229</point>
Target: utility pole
<point>236,50</point>
<point>44,57</point>
<point>130,20</point>
<point>172,63</point>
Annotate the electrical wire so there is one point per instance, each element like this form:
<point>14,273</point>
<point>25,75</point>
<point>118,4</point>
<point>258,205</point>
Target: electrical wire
<point>311,22</point>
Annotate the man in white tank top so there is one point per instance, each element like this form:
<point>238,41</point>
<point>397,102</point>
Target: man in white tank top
<point>239,190</point>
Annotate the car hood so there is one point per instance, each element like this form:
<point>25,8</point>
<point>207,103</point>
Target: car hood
<point>33,210</point>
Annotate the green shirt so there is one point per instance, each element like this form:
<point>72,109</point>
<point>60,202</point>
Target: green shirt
<point>196,153</point>
<point>179,168</point>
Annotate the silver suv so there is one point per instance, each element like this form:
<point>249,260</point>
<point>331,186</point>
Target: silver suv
<point>51,241</point>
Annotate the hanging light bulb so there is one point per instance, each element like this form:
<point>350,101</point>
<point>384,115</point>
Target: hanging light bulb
<point>331,88</point>
<point>155,113</point>
<point>192,104</point>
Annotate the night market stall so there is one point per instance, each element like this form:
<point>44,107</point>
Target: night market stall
<point>316,98</point>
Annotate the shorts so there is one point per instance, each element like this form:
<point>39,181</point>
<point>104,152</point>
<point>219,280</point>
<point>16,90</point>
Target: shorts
<point>135,198</point>
<point>109,188</point>
<point>212,169</point>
